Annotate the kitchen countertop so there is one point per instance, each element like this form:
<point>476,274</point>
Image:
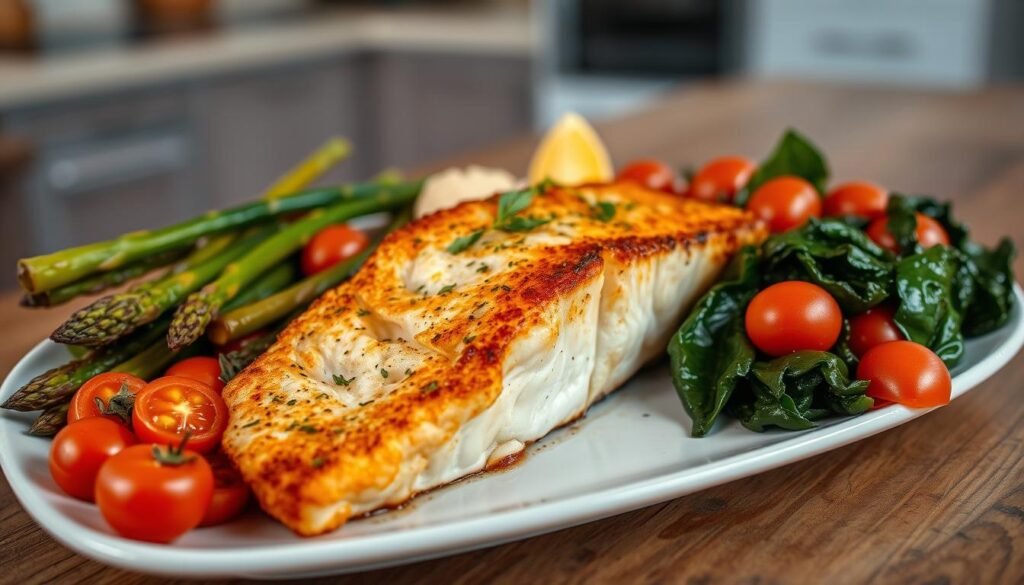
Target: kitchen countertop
<point>940,499</point>
<point>487,28</point>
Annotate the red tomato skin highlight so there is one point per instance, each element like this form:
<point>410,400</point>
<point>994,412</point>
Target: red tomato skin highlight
<point>873,327</point>
<point>202,368</point>
<point>929,233</point>
<point>785,203</point>
<point>721,178</point>
<point>144,500</point>
<point>652,174</point>
<point>907,373</point>
<point>80,449</point>
<point>860,198</point>
<point>331,245</point>
<point>793,316</point>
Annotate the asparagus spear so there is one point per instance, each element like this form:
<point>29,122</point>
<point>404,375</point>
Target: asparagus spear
<point>47,272</point>
<point>331,153</point>
<point>193,316</point>
<point>247,318</point>
<point>61,382</point>
<point>98,282</point>
<point>269,283</point>
<point>50,421</point>
<point>115,316</point>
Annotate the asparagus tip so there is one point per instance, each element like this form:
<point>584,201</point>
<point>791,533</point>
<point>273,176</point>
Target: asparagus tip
<point>190,321</point>
<point>105,320</point>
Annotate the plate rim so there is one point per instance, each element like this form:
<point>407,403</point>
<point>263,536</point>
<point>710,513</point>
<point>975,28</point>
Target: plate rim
<point>309,557</point>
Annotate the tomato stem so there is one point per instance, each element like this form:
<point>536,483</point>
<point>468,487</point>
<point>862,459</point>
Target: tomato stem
<point>119,405</point>
<point>174,456</point>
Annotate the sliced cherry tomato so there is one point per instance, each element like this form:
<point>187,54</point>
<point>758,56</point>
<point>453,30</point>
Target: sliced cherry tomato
<point>99,391</point>
<point>906,372</point>
<point>721,178</point>
<point>169,407</point>
<point>929,233</point>
<point>860,198</point>
<point>651,174</point>
<point>793,316</point>
<point>79,450</point>
<point>201,368</point>
<point>230,494</point>
<point>331,245</point>
<point>153,493</point>
<point>873,327</point>
<point>785,203</point>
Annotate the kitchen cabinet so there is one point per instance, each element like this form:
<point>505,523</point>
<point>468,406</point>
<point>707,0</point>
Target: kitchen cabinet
<point>431,105</point>
<point>257,125</point>
<point>101,165</point>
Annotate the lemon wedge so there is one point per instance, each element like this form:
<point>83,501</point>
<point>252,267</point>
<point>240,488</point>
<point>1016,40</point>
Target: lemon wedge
<point>571,154</point>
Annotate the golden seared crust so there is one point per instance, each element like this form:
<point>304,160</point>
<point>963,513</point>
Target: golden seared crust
<point>384,369</point>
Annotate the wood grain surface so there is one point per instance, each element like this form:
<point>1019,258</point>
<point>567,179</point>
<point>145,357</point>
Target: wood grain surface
<point>938,500</point>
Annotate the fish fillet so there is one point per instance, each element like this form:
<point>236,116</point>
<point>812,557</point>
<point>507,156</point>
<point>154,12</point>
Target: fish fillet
<point>428,366</point>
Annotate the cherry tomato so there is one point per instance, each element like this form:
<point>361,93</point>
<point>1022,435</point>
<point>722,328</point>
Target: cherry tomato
<point>721,178</point>
<point>201,368</point>
<point>785,203</point>
<point>230,494</point>
<point>156,494</point>
<point>793,316</point>
<point>906,372</point>
<point>171,406</point>
<point>331,245</point>
<point>873,327</point>
<point>102,387</point>
<point>929,233</point>
<point>860,198</point>
<point>79,450</point>
<point>651,174</point>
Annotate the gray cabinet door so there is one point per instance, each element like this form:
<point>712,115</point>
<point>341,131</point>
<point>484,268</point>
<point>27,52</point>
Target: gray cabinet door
<point>430,106</point>
<point>258,125</point>
<point>105,164</point>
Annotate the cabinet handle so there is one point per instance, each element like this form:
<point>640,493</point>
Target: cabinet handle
<point>125,160</point>
<point>885,44</point>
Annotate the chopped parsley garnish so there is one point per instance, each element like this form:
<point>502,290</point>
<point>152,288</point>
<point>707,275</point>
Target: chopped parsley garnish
<point>341,380</point>
<point>462,243</point>
<point>430,387</point>
<point>524,224</point>
<point>446,289</point>
<point>366,403</point>
<point>317,462</point>
<point>251,423</point>
<point>469,339</point>
<point>291,402</point>
<point>603,211</point>
<point>510,204</point>
<point>307,429</point>
<point>384,374</point>
<point>362,312</point>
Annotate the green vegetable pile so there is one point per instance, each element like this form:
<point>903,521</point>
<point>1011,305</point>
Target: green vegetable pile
<point>942,294</point>
<point>225,274</point>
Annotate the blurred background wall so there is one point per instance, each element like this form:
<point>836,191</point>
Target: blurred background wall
<point>121,114</point>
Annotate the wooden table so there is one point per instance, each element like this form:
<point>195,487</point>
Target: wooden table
<point>938,500</point>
